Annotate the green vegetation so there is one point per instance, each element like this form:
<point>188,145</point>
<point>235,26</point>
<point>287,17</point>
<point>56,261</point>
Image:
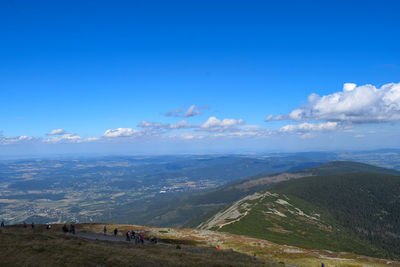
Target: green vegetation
<point>366,203</point>
<point>354,212</point>
<point>338,167</point>
<point>294,229</point>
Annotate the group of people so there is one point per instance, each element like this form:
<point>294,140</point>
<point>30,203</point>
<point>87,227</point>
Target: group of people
<point>48,225</point>
<point>138,238</point>
<point>70,230</point>
<point>26,225</point>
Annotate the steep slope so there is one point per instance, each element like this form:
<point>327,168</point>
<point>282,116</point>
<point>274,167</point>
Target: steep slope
<point>357,212</point>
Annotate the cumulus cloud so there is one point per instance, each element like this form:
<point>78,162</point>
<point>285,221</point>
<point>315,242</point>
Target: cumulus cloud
<point>168,126</point>
<point>310,127</point>
<point>121,132</point>
<point>58,131</point>
<point>215,125</point>
<point>354,104</point>
<point>193,110</point>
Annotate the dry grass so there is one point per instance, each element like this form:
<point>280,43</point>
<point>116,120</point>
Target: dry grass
<point>262,248</point>
<point>40,247</point>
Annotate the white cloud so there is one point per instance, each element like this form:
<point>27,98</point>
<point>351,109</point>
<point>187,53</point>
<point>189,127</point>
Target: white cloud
<point>193,110</point>
<point>307,136</point>
<point>91,139</point>
<point>174,112</point>
<point>170,126</point>
<point>58,131</point>
<point>215,125</point>
<point>269,117</point>
<point>16,139</point>
<point>354,104</point>
<point>310,127</point>
<point>65,138</point>
<point>121,132</point>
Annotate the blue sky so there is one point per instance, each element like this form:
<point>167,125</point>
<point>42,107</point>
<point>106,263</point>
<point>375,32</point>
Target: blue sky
<point>96,70</point>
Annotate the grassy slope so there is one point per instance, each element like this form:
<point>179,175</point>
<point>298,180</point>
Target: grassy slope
<point>298,230</point>
<point>366,203</point>
<point>361,212</point>
<point>24,247</point>
<point>39,247</point>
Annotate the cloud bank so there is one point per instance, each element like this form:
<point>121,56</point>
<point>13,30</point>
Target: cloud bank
<point>308,127</point>
<point>354,104</point>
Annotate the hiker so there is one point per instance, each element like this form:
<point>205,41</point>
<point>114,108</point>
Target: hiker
<point>48,226</point>
<point>128,236</point>
<point>136,239</point>
<point>33,225</point>
<point>25,224</point>
<point>141,238</point>
<point>2,223</point>
<point>155,239</point>
<point>115,232</point>
<point>65,228</point>
<point>72,229</point>
<point>133,234</point>
<point>105,230</point>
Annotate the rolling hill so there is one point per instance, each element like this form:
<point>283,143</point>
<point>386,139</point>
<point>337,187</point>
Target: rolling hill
<point>356,212</point>
<point>190,210</point>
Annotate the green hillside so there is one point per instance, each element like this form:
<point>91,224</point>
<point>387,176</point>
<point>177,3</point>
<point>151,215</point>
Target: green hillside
<point>355,212</point>
<point>366,203</point>
<point>192,209</point>
<point>189,210</point>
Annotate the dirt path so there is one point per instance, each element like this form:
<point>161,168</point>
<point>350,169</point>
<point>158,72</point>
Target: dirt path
<point>104,237</point>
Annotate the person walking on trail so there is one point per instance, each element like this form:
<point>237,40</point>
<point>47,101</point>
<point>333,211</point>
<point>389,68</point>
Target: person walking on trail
<point>33,225</point>
<point>105,230</point>
<point>25,224</point>
<point>48,226</point>
<point>141,238</point>
<point>115,232</point>
<point>128,236</point>
<point>72,229</point>
<point>65,228</point>
<point>136,236</point>
<point>2,223</point>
